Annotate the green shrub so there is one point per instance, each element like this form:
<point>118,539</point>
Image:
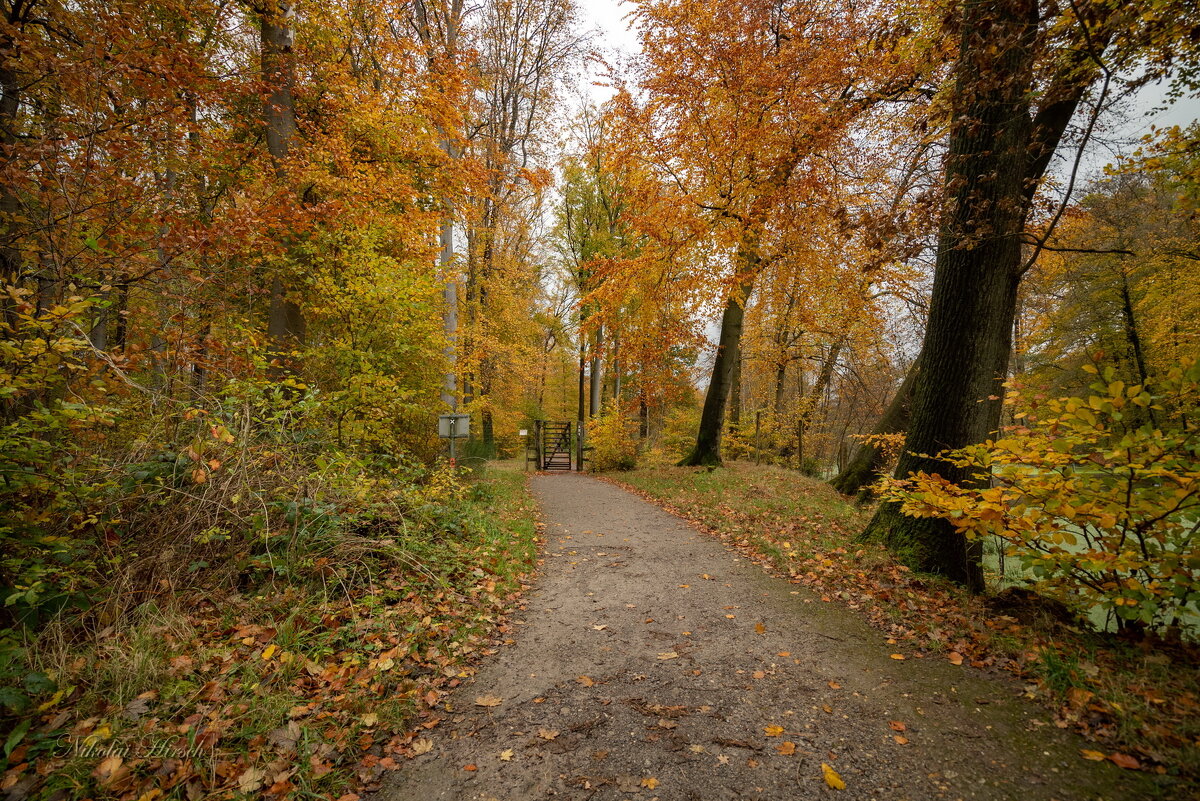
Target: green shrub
<point>1098,497</point>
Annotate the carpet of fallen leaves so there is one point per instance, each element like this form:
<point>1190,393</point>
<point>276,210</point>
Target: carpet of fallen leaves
<point>1138,702</point>
<point>282,693</point>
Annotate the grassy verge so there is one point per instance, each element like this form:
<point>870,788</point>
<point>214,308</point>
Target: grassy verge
<point>305,688</point>
<point>1137,700</point>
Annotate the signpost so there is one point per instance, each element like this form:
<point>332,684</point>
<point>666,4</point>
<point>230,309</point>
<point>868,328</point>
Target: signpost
<point>452,427</point>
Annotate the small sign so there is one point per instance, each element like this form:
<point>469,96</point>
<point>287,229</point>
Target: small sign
<point>454,426</point>
<point>524,432</point>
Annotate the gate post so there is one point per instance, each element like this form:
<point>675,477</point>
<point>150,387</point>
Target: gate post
<point>537,438</point>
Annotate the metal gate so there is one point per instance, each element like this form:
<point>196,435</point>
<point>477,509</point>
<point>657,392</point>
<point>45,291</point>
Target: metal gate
<point>555,446</point>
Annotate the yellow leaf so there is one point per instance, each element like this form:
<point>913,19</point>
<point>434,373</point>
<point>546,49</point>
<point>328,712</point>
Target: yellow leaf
<point>897,656</point>
<point>1094,756</point>
<point>506,755</point>
<point>759,628</point>
<point>268,652</point>
<point>422,745</point>
<point>832,778</point>
<point>386,664</point>
<point>650,782</point>
<point>54,699</point>
<point>668,655</point>
<point>547,734</point>
<point>773,731</point>
<point>369,719</point>
<point>586,681</point>
<point>787,748</point>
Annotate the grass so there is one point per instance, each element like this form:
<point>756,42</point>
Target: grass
<point>309,687</point>
<point>1131,698</point>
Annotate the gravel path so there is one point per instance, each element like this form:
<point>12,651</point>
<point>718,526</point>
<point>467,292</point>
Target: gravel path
<point>650,661</point>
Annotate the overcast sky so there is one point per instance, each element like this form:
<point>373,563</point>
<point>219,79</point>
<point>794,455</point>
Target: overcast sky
<point>607,21</point>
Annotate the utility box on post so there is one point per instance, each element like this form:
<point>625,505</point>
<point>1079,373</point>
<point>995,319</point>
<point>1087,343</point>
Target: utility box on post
<point>452,427</point>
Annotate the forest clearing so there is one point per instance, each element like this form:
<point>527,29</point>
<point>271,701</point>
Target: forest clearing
<point>874,326</point>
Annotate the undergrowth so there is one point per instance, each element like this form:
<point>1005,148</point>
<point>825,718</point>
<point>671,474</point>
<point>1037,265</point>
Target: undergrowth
<point>307,664</point>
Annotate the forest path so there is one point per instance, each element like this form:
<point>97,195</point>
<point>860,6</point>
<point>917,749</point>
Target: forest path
<point>650,661</point>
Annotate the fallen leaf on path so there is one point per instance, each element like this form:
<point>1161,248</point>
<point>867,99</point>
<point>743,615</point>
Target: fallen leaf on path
<point>832,778</point>
<point>539,700</point>
<point>900,739</point>
<point>897,656</point>
<point>600,627</point>
<point>586,681</point>
<point>955,658</point>
<point>896,725</point>
<point>773,731</point>
<point>268,652</point>
<point>784,653</point>
<point>758,674</point>
<point>787,748</point>
<point>759,628</point>
<point>668,655</point>
<point>696,749</point>
<point>650,782</point>
<point>547,734</point>
<point>723,759</point>
<point>833,685</point>
<point>422,745</point>
<point>488,700</point>
<point>1094,756</point>
<point>471,767</point>
<point>506,755</point>
<point>1125,761</point>
<point>827,709</point>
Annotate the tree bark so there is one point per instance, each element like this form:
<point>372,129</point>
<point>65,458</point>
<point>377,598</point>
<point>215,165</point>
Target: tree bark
<point>735,392</point>
<point>968,339</point>
<point>285,321</point>
<point>712,418</point>
<point>594,375</point>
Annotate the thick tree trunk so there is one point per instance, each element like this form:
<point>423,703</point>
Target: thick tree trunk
<point>735,392</point>
<point>285,322</point>
<point>594,375</point>
<point>712,418</point>
<point>863,468</point>
<point>968,339</point>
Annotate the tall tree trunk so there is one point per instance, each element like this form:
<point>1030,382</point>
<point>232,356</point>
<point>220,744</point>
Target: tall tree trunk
<point>595,375</point>
<point>285,322</point>
<point>735,392</point>
<point>712,418</point>
<point>968,338</point>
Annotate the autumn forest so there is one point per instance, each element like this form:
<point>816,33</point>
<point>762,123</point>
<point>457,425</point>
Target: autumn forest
<point>899,299</point>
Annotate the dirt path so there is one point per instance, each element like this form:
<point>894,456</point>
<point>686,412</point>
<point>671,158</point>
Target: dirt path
<point>650,662</point>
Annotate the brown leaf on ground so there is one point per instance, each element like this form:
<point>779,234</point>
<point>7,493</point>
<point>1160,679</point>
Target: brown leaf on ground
<point>488,700</point>
<point>1125,761</point>
<point>896,725</point>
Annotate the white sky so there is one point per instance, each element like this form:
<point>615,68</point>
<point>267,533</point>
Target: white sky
<point>606,21</point>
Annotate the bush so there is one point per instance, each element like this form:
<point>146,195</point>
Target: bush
<point>613,439</point>
<point>1098,497</point>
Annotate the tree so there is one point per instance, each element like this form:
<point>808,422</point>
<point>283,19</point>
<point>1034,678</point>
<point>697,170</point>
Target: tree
<point>737,131</point>
<point>1022,70</point>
